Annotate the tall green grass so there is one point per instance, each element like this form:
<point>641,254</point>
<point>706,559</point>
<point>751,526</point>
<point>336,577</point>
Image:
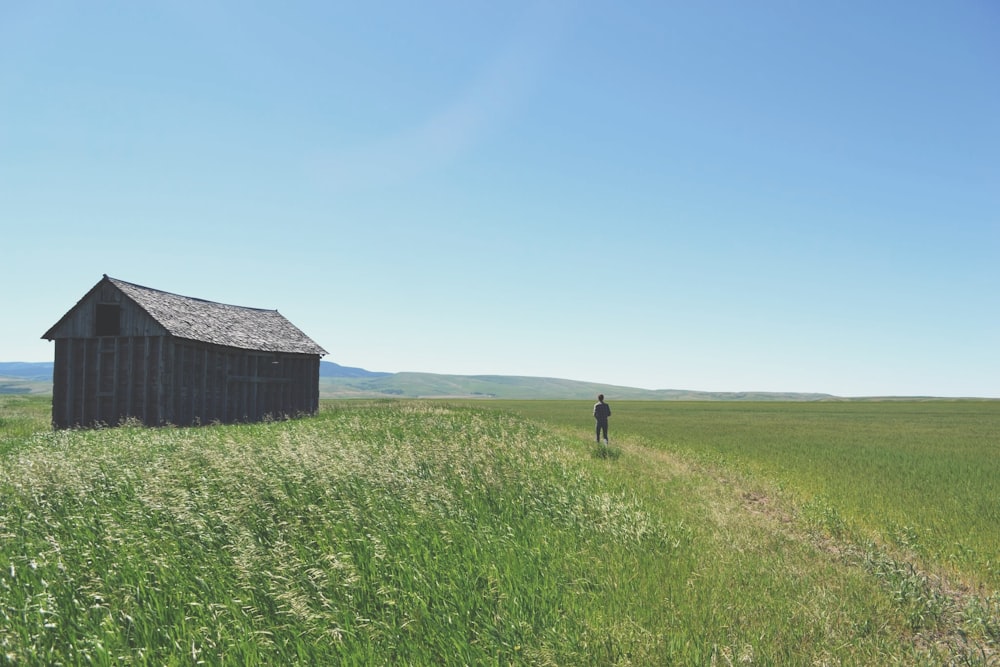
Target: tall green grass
<point>384,535</point>
<point>424,534</point>
<point>20,417</point>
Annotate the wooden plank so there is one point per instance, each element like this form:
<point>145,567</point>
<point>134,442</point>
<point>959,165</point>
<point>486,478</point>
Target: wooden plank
<point>193,384</point>
<point>314,385</point>
<point>116,367</point>
<point>96,373</point>
<point>146,378</point>
<point>203,415</point>
<point>181,389</point>
<point>130,377</point>
<point>224,373</point>
<point>245,389</point>
<point>159,381</point>
<point>83,384</point>
<point>255,411</point>
<point>170,384</point>
<point>67,382</point>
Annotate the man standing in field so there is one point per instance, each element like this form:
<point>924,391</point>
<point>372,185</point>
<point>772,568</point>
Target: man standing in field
<point>601,413</point>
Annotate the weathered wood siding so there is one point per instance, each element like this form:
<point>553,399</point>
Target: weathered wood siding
<point>164,380</point>
<point>212,383</point>
<point>106,380</point>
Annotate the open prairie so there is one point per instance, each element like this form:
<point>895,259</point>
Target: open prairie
<point>423,532</point>
<point>920,475</point>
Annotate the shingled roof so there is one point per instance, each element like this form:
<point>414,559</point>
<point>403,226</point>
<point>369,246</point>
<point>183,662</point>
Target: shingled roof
<point>219,323</point>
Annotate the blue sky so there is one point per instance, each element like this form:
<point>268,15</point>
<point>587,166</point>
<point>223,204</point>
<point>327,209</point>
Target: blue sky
<point>730,196</point>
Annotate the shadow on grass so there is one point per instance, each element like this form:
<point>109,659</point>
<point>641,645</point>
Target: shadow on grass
<point>599,451</point>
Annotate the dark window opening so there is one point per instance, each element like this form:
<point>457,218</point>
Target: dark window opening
<point>109,319</point>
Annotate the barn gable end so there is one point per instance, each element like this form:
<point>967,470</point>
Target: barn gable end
<point>125,351</point>
<point>105,310</point>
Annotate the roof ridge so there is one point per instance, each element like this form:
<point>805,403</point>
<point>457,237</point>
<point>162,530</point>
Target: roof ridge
<point>184,296</point>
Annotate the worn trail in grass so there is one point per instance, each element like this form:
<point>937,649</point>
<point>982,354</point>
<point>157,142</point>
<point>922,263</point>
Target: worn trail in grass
<point>780,561</point>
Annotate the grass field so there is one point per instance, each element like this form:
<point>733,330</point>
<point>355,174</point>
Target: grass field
<point>495,533</point>
<point>922,475</point>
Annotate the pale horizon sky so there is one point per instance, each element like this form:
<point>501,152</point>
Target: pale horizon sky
<point>716,196</point>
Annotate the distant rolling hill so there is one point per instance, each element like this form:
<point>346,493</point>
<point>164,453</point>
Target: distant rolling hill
<point>328,369</point>
<point>433,385</point>
<point>24,370</point>
<point>19,377</point>
<point>336,381</point>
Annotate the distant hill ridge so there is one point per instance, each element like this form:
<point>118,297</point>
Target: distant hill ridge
<point>26,370</point>
<point>328,369</point>
<point>336,381</point>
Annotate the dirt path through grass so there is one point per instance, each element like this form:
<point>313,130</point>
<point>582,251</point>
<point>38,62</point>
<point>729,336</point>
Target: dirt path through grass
<point>942,619</point>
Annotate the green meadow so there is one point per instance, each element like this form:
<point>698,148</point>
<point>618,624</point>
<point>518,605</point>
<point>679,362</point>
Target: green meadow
<point>921,475</point>
<point>497,533</point>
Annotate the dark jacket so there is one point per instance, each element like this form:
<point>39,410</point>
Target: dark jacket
<point>601,411</point>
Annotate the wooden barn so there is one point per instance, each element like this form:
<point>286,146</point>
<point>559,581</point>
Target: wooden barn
<point>131,352</point>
